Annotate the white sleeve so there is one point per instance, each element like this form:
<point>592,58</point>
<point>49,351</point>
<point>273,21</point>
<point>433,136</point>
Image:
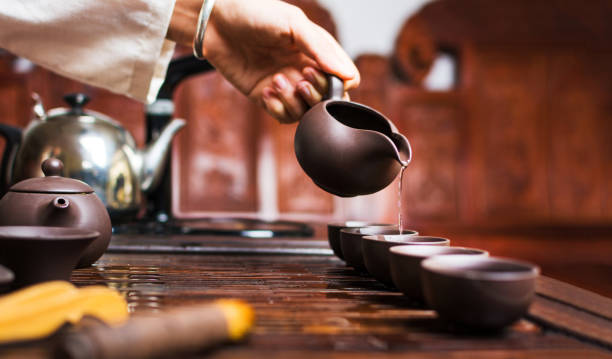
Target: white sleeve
<point>118,45</point>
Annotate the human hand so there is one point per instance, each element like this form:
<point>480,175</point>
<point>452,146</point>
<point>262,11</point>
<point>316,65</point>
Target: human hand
<point>271,52</point>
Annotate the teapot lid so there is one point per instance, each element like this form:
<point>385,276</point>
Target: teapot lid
<point>53,182</point>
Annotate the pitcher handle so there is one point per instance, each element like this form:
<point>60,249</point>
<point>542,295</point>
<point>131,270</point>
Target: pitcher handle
<point>335,88</point>
<point>12,135</point>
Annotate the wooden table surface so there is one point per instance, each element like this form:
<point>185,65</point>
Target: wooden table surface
<point>310,305</point>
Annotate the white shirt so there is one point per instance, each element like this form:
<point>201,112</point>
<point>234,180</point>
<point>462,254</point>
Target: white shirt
<point>118,45</point>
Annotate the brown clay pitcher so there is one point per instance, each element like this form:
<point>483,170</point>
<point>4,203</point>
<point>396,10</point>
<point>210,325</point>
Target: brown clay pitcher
<point>349,149</point>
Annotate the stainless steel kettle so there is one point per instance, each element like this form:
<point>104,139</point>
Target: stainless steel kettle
<point>93,147</point>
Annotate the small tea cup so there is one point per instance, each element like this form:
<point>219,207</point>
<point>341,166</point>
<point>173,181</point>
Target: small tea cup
<point>333,233</point>
<point>351,238</point>
<point>405,265</point>
<point>39,253</point>
<point>375,251</point>
<point>477,292</point>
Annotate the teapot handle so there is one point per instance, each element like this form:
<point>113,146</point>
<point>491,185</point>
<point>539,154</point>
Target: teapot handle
<point>12,135</point>
<point>335,88</point>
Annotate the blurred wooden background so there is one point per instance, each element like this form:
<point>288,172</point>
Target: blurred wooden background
<point>522,139</point>
<point>514,157</point>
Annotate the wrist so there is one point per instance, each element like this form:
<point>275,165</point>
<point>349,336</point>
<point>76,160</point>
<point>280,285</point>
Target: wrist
<point>203,19</point>
<point>184,21</point>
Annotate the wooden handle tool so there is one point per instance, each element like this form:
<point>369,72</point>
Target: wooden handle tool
<point>177,330</point>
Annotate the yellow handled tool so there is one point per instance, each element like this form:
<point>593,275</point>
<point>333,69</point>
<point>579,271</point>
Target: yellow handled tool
<point>39,310</point>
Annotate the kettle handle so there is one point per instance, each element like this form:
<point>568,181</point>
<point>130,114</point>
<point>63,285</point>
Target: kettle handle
<point>335,89</point>
<point>179,69</point>
<point>12,135</point>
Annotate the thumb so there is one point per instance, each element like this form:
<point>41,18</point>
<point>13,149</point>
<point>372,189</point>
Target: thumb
<point>319,45</point>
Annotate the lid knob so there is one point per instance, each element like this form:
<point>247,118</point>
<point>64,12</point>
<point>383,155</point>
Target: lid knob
<point>76,101</point>
<point>52,167</point>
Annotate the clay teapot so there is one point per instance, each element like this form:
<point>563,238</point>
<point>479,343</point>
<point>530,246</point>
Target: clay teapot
<point>94,148</point>
<point>349,149</point>
<point>59,202</point>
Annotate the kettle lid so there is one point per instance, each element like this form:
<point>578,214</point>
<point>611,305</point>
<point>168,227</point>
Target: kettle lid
<point>76,101</point>
<point>77,111</point>
<point>53,182</point>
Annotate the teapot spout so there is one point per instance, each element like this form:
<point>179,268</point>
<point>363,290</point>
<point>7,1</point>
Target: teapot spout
<point>403,150</point>
<point>153,157</point>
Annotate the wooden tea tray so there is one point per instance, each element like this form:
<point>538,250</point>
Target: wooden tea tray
<point>312,306</point>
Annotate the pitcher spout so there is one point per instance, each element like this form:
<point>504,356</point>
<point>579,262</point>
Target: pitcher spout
<point>403,149</point>
<point>153,157</point>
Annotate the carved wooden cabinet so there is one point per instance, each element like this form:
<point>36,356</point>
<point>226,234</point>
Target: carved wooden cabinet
<point>524,137</point>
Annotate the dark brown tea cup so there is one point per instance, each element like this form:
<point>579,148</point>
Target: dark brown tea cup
<point>37,254</point>
<point>482,293</point>
<point>375,251</point>
<point>333,233</point>
<point>6,278</point>
<point>405,265</point>
<point>350,241</point>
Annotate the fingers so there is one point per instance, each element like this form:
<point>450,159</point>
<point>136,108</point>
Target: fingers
<point>283,100</point>
<point>318,83</point>
<point>309,93</point>
<point>288,95</point>
<point>318,44</point>
<point>274,106</point>
<point>316,78</point>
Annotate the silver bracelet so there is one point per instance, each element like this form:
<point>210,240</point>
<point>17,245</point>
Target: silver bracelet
<point>198,41</point>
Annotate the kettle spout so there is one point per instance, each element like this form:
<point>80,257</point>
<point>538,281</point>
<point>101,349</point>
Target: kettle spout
<point>403,150</point>
<point>153,157</point>
<point>37,107</point>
